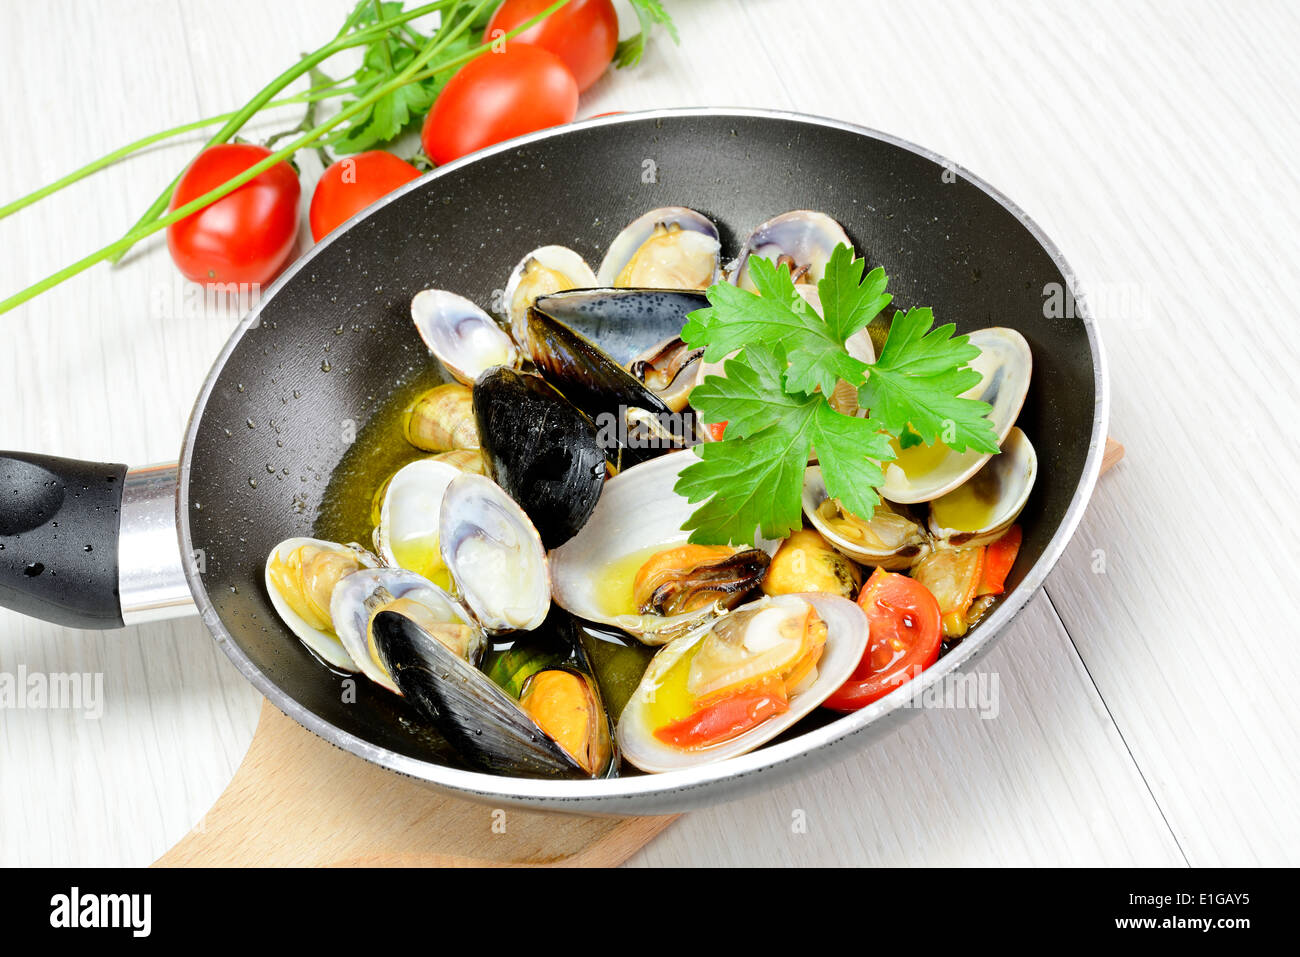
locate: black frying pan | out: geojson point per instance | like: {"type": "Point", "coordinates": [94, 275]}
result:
{"type": "Point", "coordinates": [332, 341]}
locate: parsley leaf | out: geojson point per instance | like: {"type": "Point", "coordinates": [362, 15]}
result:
{"type": "Point", "coordinates": [918, 381]}
{"type": "Point", "coordinates": [648, 12]}
{"type": "Point", "coordinates": [781, 363]}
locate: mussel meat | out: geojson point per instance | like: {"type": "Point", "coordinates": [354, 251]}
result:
{"type": "Point", "coordinates": [690, 577]}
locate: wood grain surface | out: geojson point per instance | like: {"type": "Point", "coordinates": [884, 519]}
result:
{"type": "Point", "coordinates": [1148, 695]}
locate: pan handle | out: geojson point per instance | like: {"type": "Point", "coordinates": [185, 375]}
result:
{"type": "Point", "coordinates": [89, 544]}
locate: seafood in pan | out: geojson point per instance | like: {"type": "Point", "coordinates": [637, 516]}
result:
{"type": "Point", "coordinates": [544, 514]}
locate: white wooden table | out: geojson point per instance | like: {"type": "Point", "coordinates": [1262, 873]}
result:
{"type": "Point", "coordinates": [1148, 695]}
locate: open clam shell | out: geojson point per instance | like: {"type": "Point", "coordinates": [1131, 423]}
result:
{"type": "Point", "coordinates": [924, 473]}
{"type": "Point", "coordinates": [979, 510]}
{"type": "Point", "coordinates": [802, 238]}
{"type": "Point", "coordinates": [312, 590]}
{"type": "Point", "coordinates": [494, 554]}
{"type": "Point", "coordinates": [637, 512]}
{"type": "Point", "coordinates": [359, 597]}
{"type": "Point", "coordinates": [903, 541]}
{"type": "Point", "coordinates": [846, 640]}
{"type": "Point", "coordinates": [547, 270]}
{"type": "Point", "coordinates": [407, 536]}
{"type": "Point", "coordinates": [668, 248]}
{"type": "Point", "coordinates": [461, 336]}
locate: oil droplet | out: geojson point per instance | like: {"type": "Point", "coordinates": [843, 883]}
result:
{"type": "Point", "coordinates": [249, 423]}
{"type": "Point", "coordinates": [252, 482]}
{"type": "Point", "coordinates": [325, 365]}
{"type": "Point", "coordinates": [85, 548]}
{"type": "Point", "coordinates": [33, 569]}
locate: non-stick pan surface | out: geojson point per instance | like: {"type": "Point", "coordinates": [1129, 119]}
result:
{"type": "Point", "coordinates": [333, 339]}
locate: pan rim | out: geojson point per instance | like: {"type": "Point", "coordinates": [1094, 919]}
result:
{"type": "Point", "coordinates": [673, 791]}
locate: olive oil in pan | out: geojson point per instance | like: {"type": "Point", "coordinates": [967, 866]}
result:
{"type": "Point", "coordinates": [380, 450]}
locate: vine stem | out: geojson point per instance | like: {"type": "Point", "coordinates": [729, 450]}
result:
{"type": "Point", "coordinates": [264, 96]}
{"type": "Point", "coordinates": [310, 96]}
{"type": "Point", "coordinates": [176, 215]}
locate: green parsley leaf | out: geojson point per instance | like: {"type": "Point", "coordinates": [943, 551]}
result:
{"type": "Point", "coordinates": [784, 362]}
{"type": "Point", "coordinates": [648, 12]}
{"type": "Point", "coordinates": [918, 382]}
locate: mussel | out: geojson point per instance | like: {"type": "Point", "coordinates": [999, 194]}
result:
{"type": "Point", "coordinates": [633, 422]}
{"type": "Point", "coordinates": [541, 450]}
{"type": "Point", "coordinates": [806, 562]}
{"type": "Point", "coordinates": [687, 578]}
{"type": "Point", "coordinates": [627, 323]}
{"type": "Point", "coordinates": [556, 728]}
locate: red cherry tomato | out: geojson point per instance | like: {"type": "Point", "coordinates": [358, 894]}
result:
{"type": "Point", "coordinates": [497, 96]}
{"type": "Point", "coordinates": [998, 559]}
{"type": "Point", "coordinates": [248, 235]}
{"type": "Point", "coordinates": [905, 635]}
{"type": "Point", "coordinates": [353, 183]}
{"type": "Point", "coordinates": [582, 33]}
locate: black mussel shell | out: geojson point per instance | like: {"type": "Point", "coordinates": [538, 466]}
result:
{"type": "Point", "coordinates": [625, 323]}
{"type": "Point", "coordinates": [482, 722]}
{"type": "Point", "coordinates": [540, 449]}
{"type": "Point", "coordinates": [594, 382]}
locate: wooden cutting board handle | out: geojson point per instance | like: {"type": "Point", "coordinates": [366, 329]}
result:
{"type": "Point", "coordinates": [297, 800]}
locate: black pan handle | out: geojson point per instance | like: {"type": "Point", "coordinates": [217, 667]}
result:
{"type": "Point", "coordinates": [89, 544]}
{"type": "Point", "coordinates": [59, 525]}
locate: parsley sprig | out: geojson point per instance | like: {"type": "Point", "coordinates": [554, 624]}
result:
{"type": "Point", "coordinates": [782, 362]}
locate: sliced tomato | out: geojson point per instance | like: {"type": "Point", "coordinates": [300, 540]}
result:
{"type": "Point", "coordinates": [716, 430]}
{"type": "Point", "coordinates": [726, 716]}
{"type": "Point", "coordinates": [904, 639]}
{"type": "Point", "coordinates": [998, 559]}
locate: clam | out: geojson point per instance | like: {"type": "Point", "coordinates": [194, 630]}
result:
{"type": "Point", "coordinates": [362, 595]}
{"type": "Point", "coordinates": [638, 515]}
{"type": "Point", "coordinates": [558, 708]}
{"type": "Point", "coordinates": [541, 450]}
{"type": "Point", "coordinates": [543, 271]}
{"type": "Point", "coordinates": [806, 562]}
{"type": "Point", "coordinates": [802, 239]}
{"type": "Point", "coordinates": [890, 539]}
{"type": "Point", "coordinates": [301, 576]}
{"type": "Point", "coordinates": [668, 248]}
{"type": "Point", "coordinates": [467, 460]}
{"type": "Point", "coordinates": [494, 554]}
{"type": "Point", "coordinates": [608, 394]}
{"type": "Point", "coordinates": [796, 649]}
{"type": "Point", "coordinates": [979, 510]}
{"type": "Point", "coordinates": [923, 473]}
{"type": "Point", "coordinates": [407, 536]}
{"type": "Point", "coordinates": [442, 419]}
{"type": "Point", "coordinates": [460, 335]}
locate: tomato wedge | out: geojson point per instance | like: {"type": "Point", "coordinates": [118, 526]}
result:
{"type": "Point", "coordinates": [905, 636]}
{"type": "Point", "coordinates": [729, 715]}
{"type": "Point", "coordinates": [998, 559]}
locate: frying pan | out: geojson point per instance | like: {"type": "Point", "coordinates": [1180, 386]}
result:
{"type": "Point", "coordinates": [94, 545]}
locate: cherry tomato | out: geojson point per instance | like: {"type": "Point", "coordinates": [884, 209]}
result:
{"type": "Point", "coordinates": [904, 621]}
{"type": "Point", "coordinates": [353, 183]}
{"type": "Point", "coordinates": [497, 96]}
{"type": "Point", "coordinates": [248, 235]}
{"type": "Point", "coordinates": [582, 33]}
{"type": "Point", "coordinates": [998, 559]}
